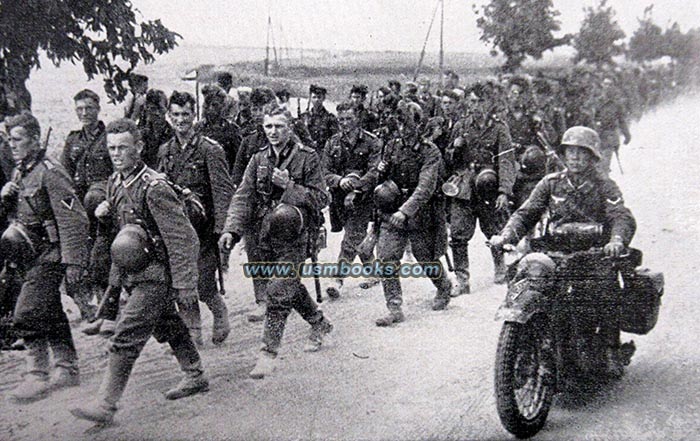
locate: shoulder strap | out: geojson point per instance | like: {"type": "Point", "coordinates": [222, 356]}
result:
{"type": "Point", "coordinates": [289, 158]}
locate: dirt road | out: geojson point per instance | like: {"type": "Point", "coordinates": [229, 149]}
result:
{"type": "Point", "coordinates": [431, 377]}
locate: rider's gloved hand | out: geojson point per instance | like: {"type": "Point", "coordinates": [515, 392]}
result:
{"type": "Point", "coordinates": [615, 247]}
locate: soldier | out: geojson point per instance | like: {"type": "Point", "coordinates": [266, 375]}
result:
{"type": "Point", "coordinates": [580, 194]}
{"type": "Point", "coordinates": [135, 104]}
{"type": "Point", "coordinates": [524, 119]}
{"type": "Point", "coordinates": [482, 158]}
{"type": "Point", "coordinates": [49, 222]}
{"type": "Point", "coordinates": [198, 163]}
{"type": "Point", "coordinates": [611, 120]}
{"type": "Point", "coordinates": [347, 158]}
{"type": "Point", "coordinates": [368, 119]}
{"type": "Point", "coordinates": [439, 128]}
{"type": "Point", "coordinates": [155, 128]}
{"type": "Point", "coordinates": [86, 159]}
{"type": "Point", "coordinates": [450, 81]}
{"type": "Point", "coordinates": [149, 216]}
{"type": "Point", "coordinates": [230, 107]}
{"type": "Point", "coordinates": [244, 117]}
{"type": "Point", "coordinates": [551, 111]}
{"type": "Point", "coordinates": [411, 92]}
{"type": "Point", "coordinates": [395, 87]}
{"type": "Point", "coordinates": [411, 209]}
{"type": "Point", "coordinates": [280, 198]}
{"type": "Point", "coordinates": [429, 103]}
{"type": "Point", "coordinates": [320, 123]}
{"type": "Point", "coordinates": [215, 125]}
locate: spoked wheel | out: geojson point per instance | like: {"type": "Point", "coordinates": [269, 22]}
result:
{"type": "Point", "coordinates": [525, 376]}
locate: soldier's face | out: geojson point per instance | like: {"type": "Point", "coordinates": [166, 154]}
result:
{"type": "Point", "coordinates": [87, 110]}
{"type": "Point", "coordinates": [213, 108]}
{"type": "Point", "coordinates": [277, 129]}
{"type": "Point", "coordinates": [124, 151]}
{"type": "Point", "coordinates": [181, 117]}
{"type": "Point", "coordinates": [317, 100]}
{"type": "Point", "coordinates": [577, 159]}
{"type": "Point", "coordinates": [357, 99]}
{"type": "Point", "coordinates": [448, 105]}
{"type": "Point", "coordinates": [21, 143]}
{"type": "Point", "coordinates": [347, 121]}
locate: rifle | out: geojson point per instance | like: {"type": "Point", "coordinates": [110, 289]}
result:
{"type": "Point", "coordinates": [313, 249]}
{"type": "Point", "coordinates": [48, 137]}
{"type": "Point", "coordinates": [298, 107]}
{"type": "Point", "coordinates": [549, 150]}
{"type": "Point", "coordinates": [220, 271]}
{"type": "Point", "coordinates": [619, 164]}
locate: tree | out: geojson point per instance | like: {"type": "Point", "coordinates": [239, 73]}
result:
{"type": "Point", "coordinates": [596, 40]}
{"type": "Point", "coordinates": [519, 28]}
{"type": "Point", "coordinates": [677, 45]}
{"type": "Point", "coordinates": [104, 35]}
{"type": "Point", "coordinates": [647, 42]}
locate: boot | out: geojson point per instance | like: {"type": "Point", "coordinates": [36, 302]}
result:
{"type": "Point", "coordinates": [93, 328]}
{"type": "Point", "coordinates": [221, 327]}
{"type": "Point", "coordinates": [462, 286]}
{"type": "Point", "coordinates": [102, 409]}
{"type": "Point", "coordinates": [35, 384]}
{"type": "Point", "coordinates": [264, 366]}
{"type": "Point", "coordinates": [108, 327]}
{"type": "Point", "coordinates": [66, 373]}
{"type": "Point", "coordinates": [318, 331]}
{"type": "Point", "coordinates": [335, 290]}
{"type": "Point", "coordinates": [191, 384]}
{"type": "Point", "coordinates": [613, 365]}
{"type": "Point", "coordinates": [395, 315]}
{"type": "Point", "coordinates": [440, 302]}
{"type": "Point", "coordinates": [259, 314]}
{"type": "Point", "coordinates": [193, 320]}
{"type": "Point", "coordinates": [64, 377]}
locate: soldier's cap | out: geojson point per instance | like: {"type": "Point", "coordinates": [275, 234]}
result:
{"type": "Point", "coordinates": [87, 94]}
{"type": "Point", "coordinates": [212, 91]}
{"type": "Point", "coordinates": [135, 79]}
{"type": "Point", "coordinates": [451, 93]}
{"type": "Point", "coordinates": [395, 83]}
{"type": "Point", "coordinates": [244, 89]}
{"type": "Point", "coordinates": [261, 96]}
{"type": "Point", "coordinates": [411, 87]}
{"type": "Point", "coordinates": [360, 89]}
{"type": "Point", "coordinates": [317, 90]}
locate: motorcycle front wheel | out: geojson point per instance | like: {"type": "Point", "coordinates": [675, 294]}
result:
{"type": "Point", "coordinates": [525, 376]}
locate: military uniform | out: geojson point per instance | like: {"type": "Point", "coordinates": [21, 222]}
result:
{"type": "Point", "coordinates": [417, 169]}
{"type": "Point", "coordinates": [154, 134]}
{"type": "Point", "coordinates": [430, 105]}
{"type": "Point", "coordinates": [321, 125]}
{"type": "Point", "coordinates": [487, 147]}
{"type": "Point", "coordinates": [254, 199]}
{"type": "Point", "coordinates": [144, 198]}
{"type": "Point", "coordinates": [56, 223]}
{"type": "Point", "coordinates": [610, 121]}
{"type": "Point", "coordinates": [369, 120]}
{"type": "Point", "coordinates": [200, 165]}
{"type": "Point", "coordinates": [225, 133]}
{"type": "Point", "coordinates": [346, 155]}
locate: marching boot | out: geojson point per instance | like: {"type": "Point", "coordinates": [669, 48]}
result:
{"type": "Point", "coordinates": [193, 320]}
{"type": "Point", "coordinates": [188, 358]}
{"type": "Point", "coordinates": [65, 357]}
{"type": "Point", "coordinates": [318, 331]}
{"type": "Point", "coordinates": [462, 286]}
{"type": "Point", "coordinates": [102, 409]}
{"type": "Point", "coordinates": [93, 328]}
{"type": "Point", "coordinates": [395, 315]}
{"type": "Point", "coordinates": [442, 298]}
{"type": "Point", "coordinates": [335, 290]}
{"type": "Point", "coordinates": [259, 314]}
{"type": "Point", "coordinates": [35, 384]}
{"type": "Point", "coordinates": [264, 366]}
{"type": "Point", "coordinates": [221, 327]}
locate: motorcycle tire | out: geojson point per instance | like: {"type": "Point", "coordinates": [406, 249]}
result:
{"type": "Point", "coordinates": [525, 380]}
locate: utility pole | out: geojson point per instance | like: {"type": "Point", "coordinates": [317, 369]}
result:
{"type": "Point", "coordinates": [422, 52]}
{"type": "Point", "coordinates": [267, 46]}
{"type": "Point", "coordinates": [442, 26]}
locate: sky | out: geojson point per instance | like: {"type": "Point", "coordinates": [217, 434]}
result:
{"type": "Point", "coordinates": [370, 24]}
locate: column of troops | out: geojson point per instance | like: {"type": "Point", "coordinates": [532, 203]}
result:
{"type": "Point", "coordinates": [141, 214]}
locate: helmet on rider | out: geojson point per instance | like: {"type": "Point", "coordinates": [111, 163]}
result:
{"type": "Point", "coordinates": [581, 136]}
{"type": "Point", "coordinates": [130, 249]}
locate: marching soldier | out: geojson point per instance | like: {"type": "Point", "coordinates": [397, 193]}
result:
{"type": "Point", "coordinates": [320, 122]}
{"type": "Point", "coordinates": [429, 103]}
{"type": "Point", "coordinates": [86, 159]}
{"type": "Point", "coordinates": [439, 128]}
{"type": "Point", "coordinates": [46, 240]}
{"type": "Point", "coordinates": [215, 125]}
{"type": "Point", "coordinates": [483, 166]}
{"type": "Point", "coordinates": [155, 128]}
{"type": "Point", "coordinates": [411, 209]}
{"type": "Point", "coordinates": [135, 104]}
{"type": "Point", "coordinates": [198, 163]}
{"type": "Point", "coordinates": [347, 158]}
{"type": "Point", "coordinates": [280, 198]}
{"type": "Point", "coordinates": [150, 217]}
{"type": "Point", "coordinates": [610, 121]}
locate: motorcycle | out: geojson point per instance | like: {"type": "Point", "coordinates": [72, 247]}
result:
{"type": "Point", "coordinates": [556, 326]}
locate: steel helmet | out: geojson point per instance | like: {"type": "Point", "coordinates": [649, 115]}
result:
{"type": "Point", "coordinates": [387, 196]}
{"type": "Point", "coordinates": [95, 195]}
{"type": "Point", "coordinates": [581, 136]}
{"type": "Point", "coordinates": [131, 249]}
{"type": "Point", "coordinates": [409, 111]}
{"type": "Point", "coordinates": [286, 222]}
{"type": "Point", "coordinates": [16, 244]}
{"type": "Point", "coordinates": [486, 184]}
{"type": "Point", "coordinates": [534, 161]}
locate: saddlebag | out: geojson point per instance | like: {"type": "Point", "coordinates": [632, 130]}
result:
{"type": "Point", "coordinates": [641, 299]}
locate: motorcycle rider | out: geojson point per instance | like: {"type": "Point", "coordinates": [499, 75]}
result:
{"type": "Point", "coordinates": [581, 193]}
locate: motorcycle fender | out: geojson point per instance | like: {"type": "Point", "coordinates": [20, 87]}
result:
{"type": "Point", "coordinates": [521, 305]}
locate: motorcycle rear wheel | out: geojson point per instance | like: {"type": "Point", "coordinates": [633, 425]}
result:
{"type": "Point", "coordinates": [525, 376]}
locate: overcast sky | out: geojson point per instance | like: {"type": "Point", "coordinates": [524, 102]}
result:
{"type": "Point", "coordinates": [370, 24]}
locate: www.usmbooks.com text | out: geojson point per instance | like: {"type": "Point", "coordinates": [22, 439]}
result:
{"type": "Point", "coordinates": [377, 269]}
